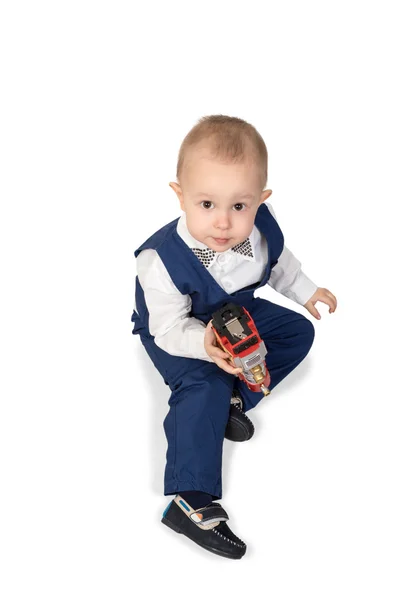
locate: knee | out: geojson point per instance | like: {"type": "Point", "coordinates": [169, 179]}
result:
{"type": "Point", "coordinates": [206, 382]}
{"type": "Point", "coordinates": [307, 332]}
{"type": "Point", "coordinates": [202, 400]}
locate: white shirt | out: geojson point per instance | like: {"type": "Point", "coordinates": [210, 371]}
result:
{"type": "Point", "coordinates": [169, 322]}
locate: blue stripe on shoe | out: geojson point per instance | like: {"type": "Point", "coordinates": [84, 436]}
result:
{"type": "Point", "coordinates": [184, 505]}
{"type": "Point", "coordinates": [166, 510]}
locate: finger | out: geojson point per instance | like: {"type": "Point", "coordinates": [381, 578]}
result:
{"type": "Point", "coordinates": [219, 353]}
{"type": "Point", "coordinates": [209, 334]}
{"type": "Point", "coordinates": [226, 367]}
{"type": "Point", "coordinates": [327, 293]}
{"type": "Point", "coordinates": [328, 300]}
{"type": "Point", "coordinates": [314, 311]}
{"type": "Point", "coordinates": [208, 326]}
{"type": "Point", "coordinates": [333, 300]}
{"type": "Point", "coordinates": [225, 358]}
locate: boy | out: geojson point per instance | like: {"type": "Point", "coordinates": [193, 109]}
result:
{"type": "Point", "coordinates": [226, 245]}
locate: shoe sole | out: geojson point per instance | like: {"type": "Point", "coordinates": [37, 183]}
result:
{"type": "Point", "coordinates": [209, 548]}
{"type": "Point", "coordinates": [238, 432]}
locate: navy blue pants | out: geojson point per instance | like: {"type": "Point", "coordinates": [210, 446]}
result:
{"type": "Point", "coordinates": [201, 394]}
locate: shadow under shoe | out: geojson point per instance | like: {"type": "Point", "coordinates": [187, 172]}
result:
{"type": "Point", "coordinates": [205, 526]}
{"type": "Point", "coordinates": [239, 427]}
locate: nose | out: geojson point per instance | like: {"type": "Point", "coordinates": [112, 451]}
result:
{"type": "Point", "coordinates": [222, 221]}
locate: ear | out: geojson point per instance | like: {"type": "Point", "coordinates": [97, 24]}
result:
{"type": "Point", "coordinates": [178, 191]}
{"type": "Point", "coordinates": [264, 195]}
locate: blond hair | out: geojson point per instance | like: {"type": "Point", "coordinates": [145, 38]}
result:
{"type": "Point", "coordinates": [228, 139]}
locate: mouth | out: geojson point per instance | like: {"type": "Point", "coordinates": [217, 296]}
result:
{"type": "Point", "coordinates": [221, 241]}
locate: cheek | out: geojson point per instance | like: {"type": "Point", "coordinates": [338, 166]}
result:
{"type": "Point", "coordinates": [245, 223]}
{"type": "Point", "coordinates": [199, 220]}
{"type": "Point", "coordinates": [202, 218]}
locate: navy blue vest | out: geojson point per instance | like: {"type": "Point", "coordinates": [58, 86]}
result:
{"type": "Point", "coordinates": [191, 277]}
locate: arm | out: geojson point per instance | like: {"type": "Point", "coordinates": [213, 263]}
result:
{"type": "Point", "coordinates": [288, 279]}
{"type": "Point", "coordinates": [169, 322]}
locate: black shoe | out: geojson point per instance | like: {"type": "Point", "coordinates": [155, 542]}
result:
{"type": "Point", "coordinates": [205, 526]}
{"type": "Point", "coordinates": [239, 427]}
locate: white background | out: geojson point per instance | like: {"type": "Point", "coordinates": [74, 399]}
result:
{"type": "Point", "coordinates": [96, 99]}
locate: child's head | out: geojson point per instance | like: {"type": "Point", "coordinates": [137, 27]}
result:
{"type": "Point", "coordinates": [222, 171]}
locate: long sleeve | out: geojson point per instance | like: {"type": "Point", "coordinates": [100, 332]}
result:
{"type": "Point", "coordinates": [287, 277]}
{"type": "Point", "coordinates": [169, 322]}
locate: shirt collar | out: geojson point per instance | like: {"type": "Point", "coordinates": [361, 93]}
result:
{"type": "Point", "coordinates": [208, 256]}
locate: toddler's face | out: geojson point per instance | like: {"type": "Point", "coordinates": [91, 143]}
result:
{"type": "Point", "coordinates": [220, 199]}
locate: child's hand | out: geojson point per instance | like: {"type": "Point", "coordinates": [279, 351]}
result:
{"type": "Point", "coordinates": [322, 295]}
{"type": "Point", "coordinates": [221, 358]}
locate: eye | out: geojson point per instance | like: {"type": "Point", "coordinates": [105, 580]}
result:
{"type": "Point", "coordinates": [206, 202]}
{"type": "Point", "coordinates": [239, 206]}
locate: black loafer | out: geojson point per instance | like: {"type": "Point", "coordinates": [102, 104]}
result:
{"type": "Point", "coordinates": [205, 526]}
{"type": "Point", "coordinates": [239, 427]}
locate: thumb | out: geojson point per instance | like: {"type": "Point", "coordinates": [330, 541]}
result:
{"type": "Point", "coordinates": [314, 311]}
{"type": "Point", "coordinates": [208, 333]}
{"type": "Point", "coordinates": [209, 326]}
